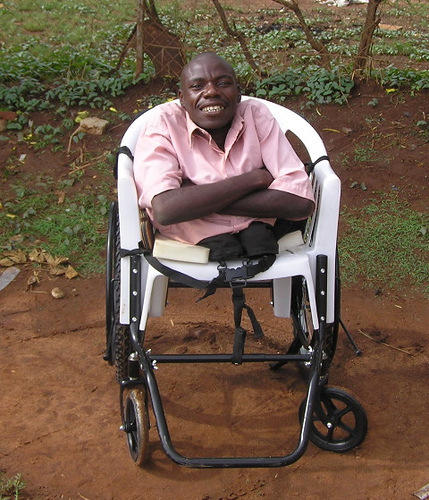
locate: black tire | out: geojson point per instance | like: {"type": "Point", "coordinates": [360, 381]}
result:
{"type": "Point", "coordinates": [304, 336]}
{"type": "Point", "coordinates": [339, 421]}
{"type": "Point", "coordinates": [122, 351]}
{"type": "Point", "coordinates": [111, 243]}
{"type": "Point", "coordinates": [117, 335]}
{"type": "Point", "coordinates": [136, 424]}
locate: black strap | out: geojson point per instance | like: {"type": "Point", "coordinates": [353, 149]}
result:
{"type": "Point", "coordinates": [239, 303]}
{"type": "Point", "coordinates": [123, 252]}
{"type": "Point", "coordinates": [122, 150]}
{"type": "Point", "coordinates": [176, 275]}
{"type": "Point", "coordinates": [239, 275]}
{"type": "Point", "coordinates": [237, 279]}
{"type": "Point", "coordinates": [234, 276]}
{"type": "Point", "coordinates": [309, 166]}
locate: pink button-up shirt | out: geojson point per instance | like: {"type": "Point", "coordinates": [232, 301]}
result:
{"type": "Point", "coordinates": [172, 147]}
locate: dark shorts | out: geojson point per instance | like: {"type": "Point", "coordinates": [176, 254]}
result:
{"type": "Point", "coordinates": [258, 239]}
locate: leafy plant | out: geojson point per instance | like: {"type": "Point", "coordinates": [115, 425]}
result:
{"type": "Point", "coordinates": [324, 86]}
{"type": "Point", "coordinates": [278, 87]}
{"type": "Point", "coordinates": [416, 80]}
{"type": "Point", "coordinates": [320, 86]}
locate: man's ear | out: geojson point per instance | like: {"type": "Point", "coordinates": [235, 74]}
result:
{"type": "Point", "coordinates": [238, 93]}
{"type": "Point", "coordinates": [180, 96]}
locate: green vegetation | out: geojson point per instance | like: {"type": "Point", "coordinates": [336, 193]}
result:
{"type": "Point", "coordinates": [320, 85]}
{"type": "Point", "coordinates": [57, 52]}
{"type": "Point", "coordinates": [46, 217]}
{"type": "Point", "coordinates": [10, 488]}
{"type": "Point", "coordinates": [385, 243]}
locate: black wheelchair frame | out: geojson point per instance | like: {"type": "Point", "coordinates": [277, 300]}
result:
{"type": "Point", "coordinates": [321, 414]}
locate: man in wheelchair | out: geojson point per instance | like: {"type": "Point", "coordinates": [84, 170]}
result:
{"type": "Point", "coordinates": [219, 172]}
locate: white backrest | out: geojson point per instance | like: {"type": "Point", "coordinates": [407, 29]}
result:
{"type": "Point", "coordinates": [322, 229]}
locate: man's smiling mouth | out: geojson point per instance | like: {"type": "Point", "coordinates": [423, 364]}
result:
{"type": "Point", "coordinates": [212, 109]}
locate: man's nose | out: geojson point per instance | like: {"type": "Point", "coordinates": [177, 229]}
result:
{"type": "Point", "coordinates": [210, 89]}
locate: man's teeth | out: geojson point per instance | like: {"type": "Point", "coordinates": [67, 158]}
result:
{"type": "Point", "coordinates": [213, 109]}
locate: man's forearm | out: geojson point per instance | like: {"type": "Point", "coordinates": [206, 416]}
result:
{"type": "Point", "coordinates": [271, 203]}
{"type": "Point", "coordinates": [193, 202]}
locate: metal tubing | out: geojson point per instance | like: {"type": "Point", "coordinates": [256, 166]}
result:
{"type": "Point", "coordinates": [225, 462]}
{"type": "Point", "coordinates": [358, 352]}
{"type": "Point", "coordinates": [147, 362]}
{"type": "Point", "coordinates": [227, 358]}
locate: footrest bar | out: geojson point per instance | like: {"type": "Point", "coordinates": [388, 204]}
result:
{"type": "Point", "coordinates": [228, 358]}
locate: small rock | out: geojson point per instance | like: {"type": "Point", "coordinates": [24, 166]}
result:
{"type": "Point", "coordinates": [93, 125]}
{"type": "Point", "coordinates": [57, 293]}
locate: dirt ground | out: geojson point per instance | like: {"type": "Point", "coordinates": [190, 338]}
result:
{"type": "Point", "coordinates": [59, 399]}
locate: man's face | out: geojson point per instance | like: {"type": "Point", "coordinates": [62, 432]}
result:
{"type": "Point", "coordinates": [209, 92]}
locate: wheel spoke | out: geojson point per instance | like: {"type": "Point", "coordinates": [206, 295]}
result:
{"type": "Point", "coordinates": [340, 413]}
{"type": "Point", "coordinates": [345, 428]}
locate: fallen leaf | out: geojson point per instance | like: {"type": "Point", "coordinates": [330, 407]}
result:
{"type": "Point", "coordinates": [57, 271]}
{"type": "Point", "coordinates": [6, 262]}
{"type": "Point", "coordinates": [61, 196]}
{"type": "Point", "coordinates": [17, 256]}
{"type": "Point", "coordinates": [36, 256]}
{"type": "Point", "coordinates": [50, 259]}
{"type": "Point", "coordinates": [71, 273]}
{"type": "Point", "coordinates": [61, 260]}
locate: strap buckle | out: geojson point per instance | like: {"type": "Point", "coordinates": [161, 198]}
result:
{"type": "Point", "coordinates": [238, 276]}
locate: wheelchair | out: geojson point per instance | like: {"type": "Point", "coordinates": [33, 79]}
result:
{"type": "Point", "coordinates": [304, 285]}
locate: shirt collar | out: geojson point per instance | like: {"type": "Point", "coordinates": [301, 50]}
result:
{"type": "Point", "coordinates": [236, 129]}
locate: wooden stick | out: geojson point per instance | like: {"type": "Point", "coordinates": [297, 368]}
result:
{"type": "Point", "coordinates": [384, 343]}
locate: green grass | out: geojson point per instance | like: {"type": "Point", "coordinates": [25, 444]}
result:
{"type": "Point", "coordinates": [74, 228]}
{"type": "Point", "coordinates": [10, 488]}
{"type": "Point", "coordinates": [62, 22]}
{"type": "Point", "coordinates": [385, 243]}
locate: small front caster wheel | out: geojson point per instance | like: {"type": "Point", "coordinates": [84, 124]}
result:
{"type": "Point", "coordinates": [339, 421]}
{"type": "Point", "coordinates": [136, 424]}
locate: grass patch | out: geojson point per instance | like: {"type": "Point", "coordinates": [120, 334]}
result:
{"type": "Point", "coordinates": [56, 218]}
{"type": "Point", "coordinates": [385, 243]}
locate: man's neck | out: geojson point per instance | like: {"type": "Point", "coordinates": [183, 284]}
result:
{"type": "Point", "coordinates": [219, 136]}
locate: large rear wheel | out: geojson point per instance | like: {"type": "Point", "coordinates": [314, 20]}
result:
{"type": "Point", "coordinates": [117, 335]}
{"type": "Point", "coordinates": [304, 333]}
